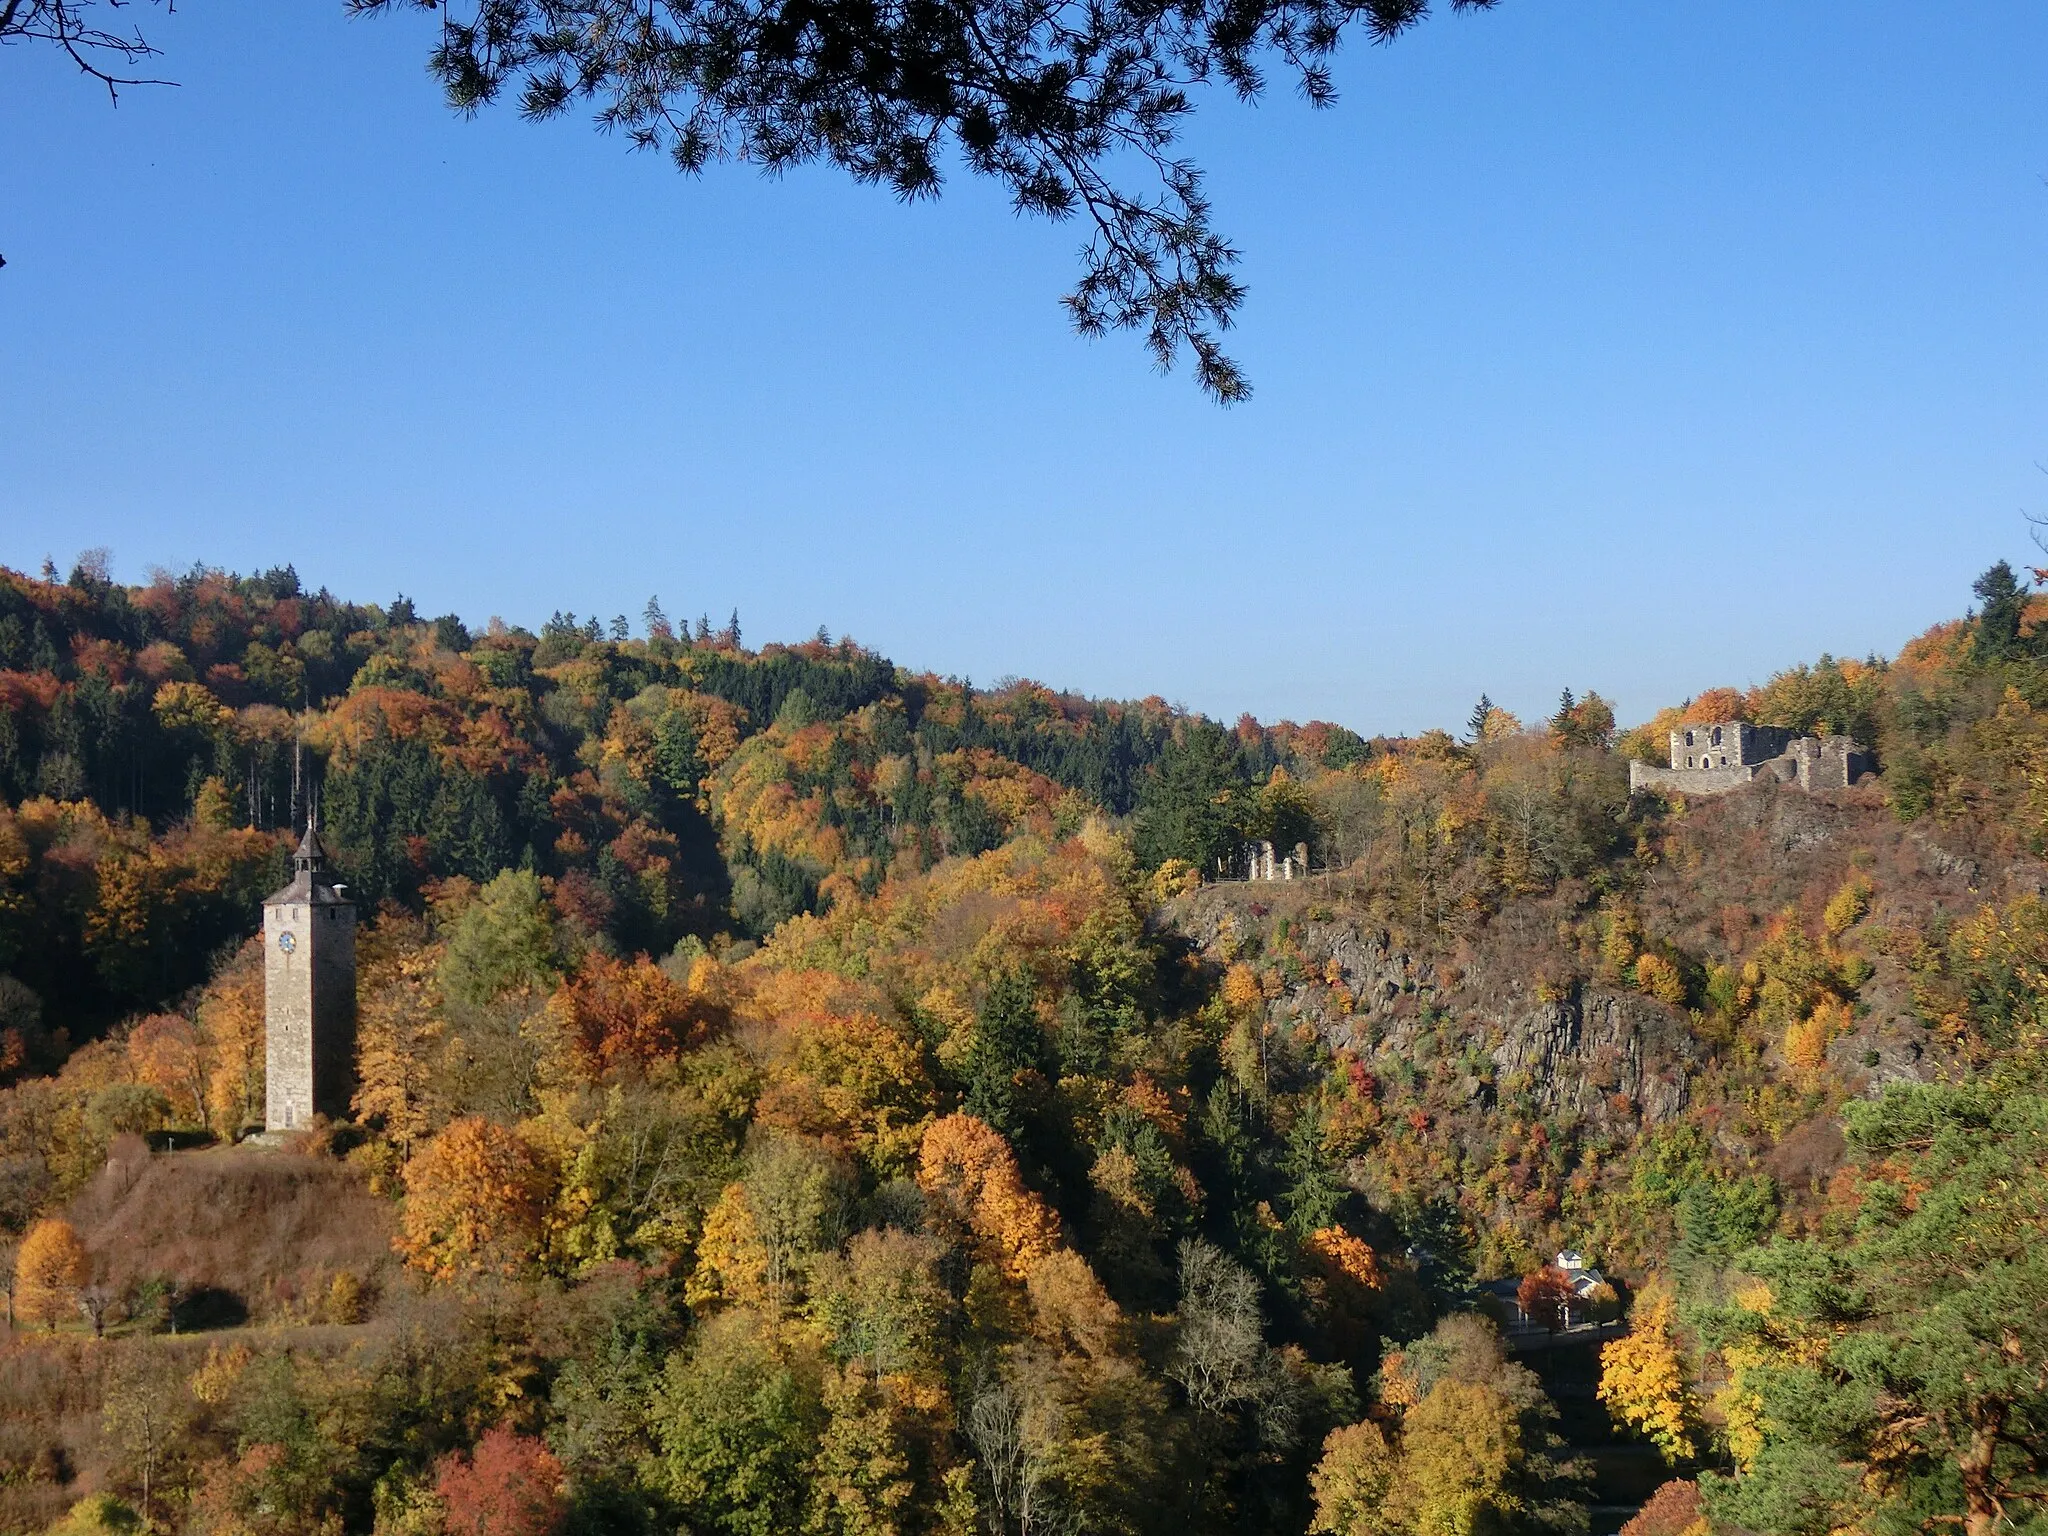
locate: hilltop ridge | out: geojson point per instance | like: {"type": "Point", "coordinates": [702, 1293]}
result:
{"type": "Point", "coordinates": [901, 1083]}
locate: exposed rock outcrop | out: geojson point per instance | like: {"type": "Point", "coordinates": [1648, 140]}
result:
{"type": "Point", "coordinates": [1600, 1053]}
{"type": "Point", "coordinates": [1583, 1050]}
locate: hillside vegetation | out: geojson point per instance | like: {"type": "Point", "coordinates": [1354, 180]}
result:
{"type": "Point", "coordinates": [800, 1095]}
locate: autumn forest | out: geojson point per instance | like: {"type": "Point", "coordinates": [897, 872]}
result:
{"type": "Point", "coordinates": [797, 1094]}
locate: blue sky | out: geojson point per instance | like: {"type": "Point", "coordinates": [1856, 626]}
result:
{"type": "Point", "coordinates": [1634, 346]}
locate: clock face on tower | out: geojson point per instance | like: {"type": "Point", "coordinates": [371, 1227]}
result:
{"type": "Point", "coordinates": [287, 942]}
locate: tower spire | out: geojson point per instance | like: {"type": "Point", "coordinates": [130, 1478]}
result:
{"type": "Point", "coordinates": [311, 859]}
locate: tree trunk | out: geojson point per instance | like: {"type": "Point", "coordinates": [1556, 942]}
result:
{"type": "Point", "coordinates": [1974, 1462]}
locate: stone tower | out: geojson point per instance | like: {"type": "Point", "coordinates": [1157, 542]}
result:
{"type": "Point", "coordinates": [309, 994]}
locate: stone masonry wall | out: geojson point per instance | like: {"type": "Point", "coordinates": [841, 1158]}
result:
{"type": "Point", "coordinates": [287, 1017]}
{"type": "Point", "coordinates": [1696, 780]}
{"type": "Point", "coordinates": [334, 1012]}
{"type": "Point", "coordinates": [309, 1013]}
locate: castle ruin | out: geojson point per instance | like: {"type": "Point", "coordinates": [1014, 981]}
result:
{"type": "Point", "coordinates": [1711, 758]}
{"type": "Point", "coordinates": [309, 994]}
{"type": "Point", "coordinates": [1257, 860]}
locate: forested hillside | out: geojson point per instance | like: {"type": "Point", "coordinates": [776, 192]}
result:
{"type": "Point", "coordinates": [798, 1094]}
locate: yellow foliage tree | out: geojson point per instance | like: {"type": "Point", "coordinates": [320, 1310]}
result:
{"type": "Point", "coordinates": [856, 1082]}
{"type": "Point", "coordinates": [1770, 1343]}
{"type": "Point", "coordinates": [1070, 1306]}
{"type": "Point", "coordinates": [399, 1026]}
{"type": "Point", "coordinates": [1642, 1379]}
{"type": "Point", "coordinates": [1846, 908]}
{"type": "Point", "coordinates": [1241, 990]}
{"type": "Point", "coordinates": [1461, 1450]}
{"type": "Point", "coordinates": [1176, 877]}
{"type": "Point", "coordinates": [214, 1381]}
{"type": "Point", "coordinates": [48, 1271]}
{"type": "Point", "coordinates": [1454, 1472]}
{"type": "Point", "coordinates": [1807, 1040]}
{"type": "Point", "coordinates": [475, 1198]}
{"type": "Point", "coordinates": [860, 1479]}
{"type": "Point", "coordinates": [732, 1261]}
{"type": "Point", "coordinates": [1660, 979]}
{"type": "Point", "coordinates": [1620, 937]}
{"type": "Point", "coordinates": [231, 1041]}
{"type": "Point", "coordinates": [1352, 1482]}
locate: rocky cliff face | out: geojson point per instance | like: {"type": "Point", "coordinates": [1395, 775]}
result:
{"type": "Point", "coordinates": [1606, 1055]}
{"type": "Point", "coordinates": [1588, 1049]}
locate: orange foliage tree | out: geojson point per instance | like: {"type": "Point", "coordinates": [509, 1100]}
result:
{"type": "Point", "coordinates": [475, 1199]}
{"type": "Point", "coordinates": [1345, 1283]}
{"type": "Point", "coordinates": [1545, 1297]}
{"type": "Point", "coordinates": [967, 1167]}
{"type": "Point", "coordinates": [628, 1014]}
{"type": "Point", "coordinates": [511, 1486]}
{"type": "Point", "coordinates": [167, 1052]}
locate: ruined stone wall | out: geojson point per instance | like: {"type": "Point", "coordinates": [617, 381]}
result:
{"type": "Point", "coordinates": [1726, 744]}
{"type": "Point", "coordinates": [1699, 781]}
{"type": "Point", "coordinates": [1706, 746]}
{"type": "Point", "coordinates": [1761, 743]}
{"type": "Point", "coordinates": [1702, 765]}
{"type": "Point", "coordinates": [1831, 762]}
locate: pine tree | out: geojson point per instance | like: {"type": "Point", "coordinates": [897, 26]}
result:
{"type": "Point", "coordinates": [1564, 724]}
{"type": "Point", "coordinates": [1008, 1042]}
{"type": "Point", "coordinates": [1475, 728]}
{"type": "Point", "coordinates": [658, 626]}
{"type": "Point", "coordinates": [1998, 624]}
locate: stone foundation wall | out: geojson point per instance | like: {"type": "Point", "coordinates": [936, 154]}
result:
{"type": "Point", "coordinates": [1698, 781]}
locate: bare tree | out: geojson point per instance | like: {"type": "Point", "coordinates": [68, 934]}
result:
{"type": "Point", "coordinates": [95, 1301]}
{"type": "Point", "coordinates": [7, 1253]}
{"type": "Point", "coordinates": [75, 27]}
{"type": "Point", "coordinates": [1017, 1428]}
{"type": "Point", "coordinates": [1233, 1380]}
{"type": "Point", "coordinates": [1219, 1357]}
